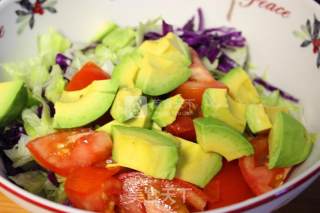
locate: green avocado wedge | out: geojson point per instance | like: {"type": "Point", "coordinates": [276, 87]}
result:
{"type": "Point", "coordinates": [241, 87]}
{"type": "Point", "coordinates": [127, 104]}
{"type": "Point", "coordinates": [195, 165]}
{"type": "Point", "coordinates": [215, 136]}
{"type": "Point", "coordinates": [289, 142]}
{"type": "Point", "coordinates": [257, 118]}
{"type": "Point", "coordinates": [216, 104]}
{"type": "Point", "coordinates": [78, 108]}
{"type": "Point", "coordinates": [147, 151]}
{"type": "Point", "coordinates": [167, 111]}
{"type": "Point", "coordinates": [14, 97]}
{"type": "Point", "coordinates": [164, 65]}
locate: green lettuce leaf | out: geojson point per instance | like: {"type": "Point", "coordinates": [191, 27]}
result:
{"type": "Point", "coordinates": [19, 154]}
{"type": "Point", "coordinates": [32, 71]}
{"type": "Point", "coordinates": [50, 44]}
{"type": "Point", "coordinates": [32, 181]}
{"type": "Point", "coordinates": [35, 126]}
{"type": "Point", "coordinates": [55, 85]}
{"type": "Point", "coordinates": [274, 99]}
{"type": "Point", "coordinates": [37, 182]}
{"type": "Point", "coordinates": [148, 26]}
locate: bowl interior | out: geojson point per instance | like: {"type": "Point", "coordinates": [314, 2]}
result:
{"type": "Point", "coordinates": [274, 48]}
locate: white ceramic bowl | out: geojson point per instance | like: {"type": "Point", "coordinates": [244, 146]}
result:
{"type": "Point", "coordinates": [274, 32]}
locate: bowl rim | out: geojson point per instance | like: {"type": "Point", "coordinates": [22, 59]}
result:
{"type": "Point", "coordinates": [251, 203]}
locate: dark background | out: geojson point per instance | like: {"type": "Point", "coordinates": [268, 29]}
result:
{"type": "Point", "coordinates": [307, 202]}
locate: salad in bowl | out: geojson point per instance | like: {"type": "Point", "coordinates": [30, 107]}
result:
{"type": "Point", "coordinates": [152, 118]}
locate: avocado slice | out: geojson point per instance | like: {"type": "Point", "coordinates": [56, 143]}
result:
{"type": "Point", "coordinates": [237, 109]}
{"type": "Point", "coordinates": [241, 87]}
{"type": "Point", "coordinates": [144, 150]}
{"type": "Point", "coordinates": [164, 65]}
{"type": "Point", "coordinates": [257, 118]}
{"type": "Point", "coordinates": [14, 98]}
{"type": "Point", "coordinates": [195, 165]}
{"type": "Point", "coordinates": [272, 111]}
{"type": "Point", "coordinates": [167, 111]}
{"type": "Point", "coordinates": [143, 119]}
{"type": "Point", "coordinates": [214, 135]}
{"type": "Point", "coordinates": [78, 108]}
{"type": "Point", "coordinates": [216, 104]}
{"type": "Point", "coordinates": [289, 142]}
{"type": "Point", "coordinates": [126, 71]}
{"type": "Point", "coordinates": [127, 104]}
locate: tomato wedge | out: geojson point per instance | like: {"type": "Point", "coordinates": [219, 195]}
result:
{"type": "Point", "coordinates": [255, 171]}
{"type": "Point", "coordinates": [200, 80]}
{"type": "Point", "coordinates": [65, 151]}
{"type": "Point", "coordinates": [142, 193]}
{"type": "Point", "coordinates": [200, 73]}
{"type": "Point", "coordinates": [85, 76]}
{"type": "Point", "coordinates": [228, 187]}
{"type": "Point", "coordinates": [182, 127]}
{"type": "Point", "coordinates": [93, 189]}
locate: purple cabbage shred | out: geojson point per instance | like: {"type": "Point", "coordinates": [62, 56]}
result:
{"type": "Point", "coordinates": [51, 108]}
{"type": "Point", "coordinates": [63, 61]}
{"type": "Point", "coordinates": [53, 179]}
{"type": "Point", "coordinates": [226, 63]}
{"type": "Point", "coordinates": [10, 135]}
{"type": "Point", "coordinates": [166, 28]}
{"type": "Point", "coordinates": [272, 88]}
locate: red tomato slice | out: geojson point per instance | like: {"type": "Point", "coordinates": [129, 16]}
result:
{"type": "Point", "coordinates": [65, 151]}
{"type": "Point", "coordinates": [228, 187]}
{"type": "Point", "coordinates": [200, 73]}
{"type": "Point", "coordinates": [141, 193]}
{"type": "Point", "coordinates": [255, 171]}
{"type": "Point", "coordinates": [85, 76]}
{"type": "Point", "coordinates": [182, 127]}
{"type": "Point", "coordinates": [192, 91]}
{"type": "Point", "coordinates": [93, 189]}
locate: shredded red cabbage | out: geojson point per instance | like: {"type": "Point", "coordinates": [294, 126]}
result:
{"type": "Point", "coordinates": [272, 88]}
{"type": "Point", "coordinates": [63, 61]}
{"type": "Point", "coordinates": [209, 43]}
{"type": "Point", "coordinates": [226, 63]}
{"type": "Point", "coordinates": [53, 179]}
{"type": "Point", "coordinates": [51, 108]}
{"type": "Point", "coordinates": [166, 28]}
{"type": "Point", "coordinates": [10, 135]}
{"type": "Point", "coordinates": [7, 163]}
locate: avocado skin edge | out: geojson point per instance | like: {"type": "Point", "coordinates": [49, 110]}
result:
{"type": "Point", "coordinates": [16, 107]}
{"type": "Point", "coordinates": [289, 142]}
{"type": "Point", "coordinates": [234, 145]}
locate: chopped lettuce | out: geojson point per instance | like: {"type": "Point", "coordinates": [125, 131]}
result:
{"type": "Point", "coordinates": [19, 154]}
{"type": "Point", "coordinates": [274, 99]}
{"type": "Point", "coordinates": [36, 126]}
{"type": "Point", "coordinates": [53, 193]}
{"type": "Point", "coordinates": [55, 85]}
{"type": "Point", "coordinates": [103, 54]}
{"type": "Point", "coordinates": [37, 182]}
{"type": "Point", "coordinates": [119, 38]}
{"type": "Point", "coordinates": [32, 71]}
{"type": "Point", "coordinates": [32, 181]}
{"type": "Point", "coordinates": [143, 28]}
{"type": "Point", "coordinates": [104, 31]}
{"type": "Point", "coordinates": [50, 44]}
